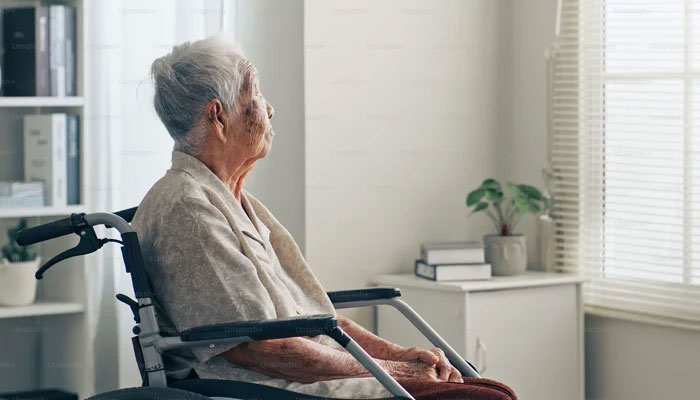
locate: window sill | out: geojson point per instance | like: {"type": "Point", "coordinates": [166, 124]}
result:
{"type": "Point", "coordinates": [649, 319]}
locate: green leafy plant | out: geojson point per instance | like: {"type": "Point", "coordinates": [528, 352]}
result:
{"type": "Point", "coordinates": [505, 208]}
{"type": "Point", "coordinates": [14, 252]}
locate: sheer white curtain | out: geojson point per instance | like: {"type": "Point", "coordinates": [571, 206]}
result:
{"type": "Point", "coordinates": [130, 148]}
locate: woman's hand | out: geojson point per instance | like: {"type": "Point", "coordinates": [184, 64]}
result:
{"type": "Point", "coordinates": [410, 370]}
{"type": "Point", "coordinates": [435, 357]}
{"type": "Point", "coordinates": [384, 350]}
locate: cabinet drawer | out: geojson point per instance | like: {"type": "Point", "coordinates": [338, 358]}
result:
{"type": "Point", "coordinates": [527, 338]}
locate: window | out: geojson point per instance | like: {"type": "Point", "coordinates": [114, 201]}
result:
{"type": "Point", "coordinates": [633, 157]}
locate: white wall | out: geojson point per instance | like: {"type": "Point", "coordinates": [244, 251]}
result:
{"type": "Point", "coordinates": [525, 142]}
{"type": "Point", "coordinates": [271, 34]}
{"type": "Point", "coordinates": [632, 360]}
{"type": "Point", "coordinates": [404, 105]}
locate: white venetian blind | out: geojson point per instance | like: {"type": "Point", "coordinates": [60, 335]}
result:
{"type": "Point", "coordinates": [639, 156]}
{"type": "Point", "coordinates": [563, 151]}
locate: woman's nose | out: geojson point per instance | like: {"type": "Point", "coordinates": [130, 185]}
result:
{"type": "Point", "coordinates": [270, 111]}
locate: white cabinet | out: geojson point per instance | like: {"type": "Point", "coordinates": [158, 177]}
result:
{"type": "Point", "coordinates": [525, 331]}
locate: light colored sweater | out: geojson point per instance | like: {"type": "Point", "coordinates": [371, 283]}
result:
{"type": "Point", "coordinates": [212, 259]}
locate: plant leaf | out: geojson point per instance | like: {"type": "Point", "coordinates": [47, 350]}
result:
{"type": "Point", "coordinates": [12, 251]}
{"type": "Point", "coordinates": [480, 207]}
{"type": "Point", "coordinates": [491, 183]}
{"type": "Point", "coordinates": [475, 196]}
{"type": "Point", "coordinates": [496, 196]}
{"type": "Point", "coordinates": [512, 189]}
{"type": "Point", "coordinates": [531, 191]}
{"type": "Point", "coordinates": [522, 205]}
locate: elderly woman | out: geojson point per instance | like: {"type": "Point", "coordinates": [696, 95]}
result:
{"type": "Point", "coordinates": [215, 254]}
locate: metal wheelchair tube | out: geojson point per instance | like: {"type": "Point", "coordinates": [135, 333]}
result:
{"type": "Point", "coordinates": [369, 363]}
{"type": "Point", "coordinates": [464, 367]}
{"type": "Point", "coordinates": [108, 219]}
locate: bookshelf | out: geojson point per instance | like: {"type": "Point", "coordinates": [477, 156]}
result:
{"type": "Point", "coordinates": [41, 308]}
{"type": "Point", "coordinates": [45, 211]}
{"type": "Point", "coordinates": [41, 102]}
{"type": "Point", "coordinates": [47, 344]}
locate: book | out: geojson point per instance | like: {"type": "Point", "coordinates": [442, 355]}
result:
{"type": "Point", "coordinates": [452, 253]}
{"type": "Point", "coordinates": [26, 51]}
{"type": "Point", "coordinates": [62, 20]}
{"type": "Point", "coordinates": [57, 53]}
{"type": "Point", "coordinates": [73, 159]}
{"type": "Point", "coordinates": [20, 189]}
{"type": "Point", "coordinates": [45, 154]}
{"type": "Point", "coordinates": [453, 272]}
{"type": "Point", "coordinates": [21, 194]}
{"type": "Point", "coordinates": [71, 79]}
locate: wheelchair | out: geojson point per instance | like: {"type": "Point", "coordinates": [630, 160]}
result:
{"type": "Point", "coordinates": [149, 345]}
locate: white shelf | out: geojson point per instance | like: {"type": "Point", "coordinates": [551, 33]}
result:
{"type": "Point", "coordinates": [41, 308]}
{"type": "Point", "coordinates": [34, 101]}
{"type": "Point", "coordinates": [16, 212]}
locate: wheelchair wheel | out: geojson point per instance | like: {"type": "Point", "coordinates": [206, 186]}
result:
{"type": "Point", "coordinates": [148, 393]}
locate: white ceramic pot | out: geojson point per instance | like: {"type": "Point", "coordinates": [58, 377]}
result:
{"type": "Point", "coordinates": [506, 254]}
{"type": "Point", "coordinates": [17, 282]}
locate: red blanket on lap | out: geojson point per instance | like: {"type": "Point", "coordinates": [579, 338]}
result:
{"type": "Point", "coordinates": [471, 389]}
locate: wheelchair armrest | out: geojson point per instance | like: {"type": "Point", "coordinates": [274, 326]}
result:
{"type": "Point", "coordinates": [306, 325]}
{"type": "Point", "coordinates": [367, 294]}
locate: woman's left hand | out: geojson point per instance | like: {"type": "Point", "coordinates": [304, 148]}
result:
{"type": "Point", "coordinates": [446, 372]}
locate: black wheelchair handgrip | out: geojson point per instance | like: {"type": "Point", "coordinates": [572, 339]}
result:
{"type": "Point", "coordinates": [50, 230]}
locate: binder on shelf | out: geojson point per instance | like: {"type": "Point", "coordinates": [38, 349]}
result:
{"type": "Point", "coordinates": [73, 159]}
{"type": "Point", "coordinates": [71, 61]}
{"type": "Point", "coordinates": [45, 154]}
{"type": "Point", "coordinates": [57, 53]}
{"type": "Point", "coordinates": [26, 51]}
{"type": "Point", "coordinates": [39, 51]}
{"type": "Point", "coordinates": [62, 53]}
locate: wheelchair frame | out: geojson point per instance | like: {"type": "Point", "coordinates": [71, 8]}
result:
{"type": "Point", "coordinates": [149, 344]}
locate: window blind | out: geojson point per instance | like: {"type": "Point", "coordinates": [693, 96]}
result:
{"type": "Point", "coordinates": [563, 143]}
{"type": "Point", "coordinates": [637, 152]}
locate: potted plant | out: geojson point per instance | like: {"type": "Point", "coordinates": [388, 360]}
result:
{"type": "Point", "coordinates": [17, 268]}
{"type": "Point", "coordinates": [506, 250]}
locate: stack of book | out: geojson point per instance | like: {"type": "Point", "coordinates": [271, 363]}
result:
{"type": "Point", "coordinates": [52, 156]}
{"type": "Point", "coordinates": [39, 51]}
{"type": "Point", "coordinates": [453, 261]}
{"type": "Point", "coordinates": [21, 194]}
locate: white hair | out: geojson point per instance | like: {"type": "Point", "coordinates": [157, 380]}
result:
{"type": "Point", "coordinates": [188, 78]}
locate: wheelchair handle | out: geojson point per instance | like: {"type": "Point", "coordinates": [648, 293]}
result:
{"type": "Point", "coordinates": [48, 231]}
{"type": "Point", "coordinates": [66, 226]}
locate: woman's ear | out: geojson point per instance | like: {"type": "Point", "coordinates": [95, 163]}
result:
{"type": "Point", "coordinates": [216, 118]}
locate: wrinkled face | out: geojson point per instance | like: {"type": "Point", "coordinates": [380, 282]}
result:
{"type": "Point", "coordinates": [252, 126]}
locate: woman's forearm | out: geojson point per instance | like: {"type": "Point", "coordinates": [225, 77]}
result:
{"type": "Point", "coordinates": [373, 344]}
{"type": "Point", "coordinates": [297, 359]}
